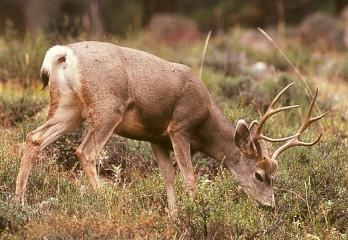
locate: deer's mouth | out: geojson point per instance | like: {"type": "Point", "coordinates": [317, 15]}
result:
{"type": "Point", "coordinates": [264, 196]}
{"type": "Point", "coordinates": [260, 191]}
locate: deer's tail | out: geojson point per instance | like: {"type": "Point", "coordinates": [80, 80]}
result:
{"type": "Point", "coordinates": [55, 55]}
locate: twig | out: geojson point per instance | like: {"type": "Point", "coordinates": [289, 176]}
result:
{"type": "Point", "coordinates": [297, 71]}
{"type": "Point", "coordinates": [309, 93]}
{"type": "Point", "coordinates": [307, 201]}
{"type": "Point", "coordinates": [203, 54]}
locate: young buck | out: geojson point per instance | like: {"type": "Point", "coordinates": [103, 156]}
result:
{"type": "Point", "coordinates": [139, 96]}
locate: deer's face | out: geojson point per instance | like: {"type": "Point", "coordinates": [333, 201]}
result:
{"type": "Point", "coordinates": [255, 171]}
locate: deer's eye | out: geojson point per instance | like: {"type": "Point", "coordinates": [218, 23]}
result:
{"type": "Point", "coordinates": [259, 177]}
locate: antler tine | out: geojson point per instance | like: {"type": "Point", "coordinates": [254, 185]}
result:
{"type": "Point", "coordinates": [270, 111]}
{"type": "Point", "coordinates": [292, 143]}
{"type": "Point", "coordinates": [279, 95]}
{"type": "Point", "coordinates": [308, 121]}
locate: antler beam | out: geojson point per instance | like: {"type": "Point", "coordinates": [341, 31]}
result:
{"type": "Point", "coordinates": [308, 121]}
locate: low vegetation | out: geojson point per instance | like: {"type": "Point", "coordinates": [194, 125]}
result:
{"type": "Point", "coordinates": [311, 185]}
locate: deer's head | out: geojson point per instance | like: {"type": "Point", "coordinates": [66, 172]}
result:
{"type": "Point", "coordinates": [256, 169]}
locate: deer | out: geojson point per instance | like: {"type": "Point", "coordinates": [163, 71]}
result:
{"type": "Point", "coordinates": [136, 95]}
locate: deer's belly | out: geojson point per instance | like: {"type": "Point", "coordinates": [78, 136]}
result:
{"type": "Point", "coordinates": [132, 126]}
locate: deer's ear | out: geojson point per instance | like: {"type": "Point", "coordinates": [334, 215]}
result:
{"type": "Point", "coordinates": [243, 139]}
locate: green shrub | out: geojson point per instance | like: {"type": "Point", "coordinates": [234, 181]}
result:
{"type": "Point", "coordinates": [17, 105]}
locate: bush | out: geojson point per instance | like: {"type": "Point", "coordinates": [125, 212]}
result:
{"type": "Point", "coordinates": [17, 105]}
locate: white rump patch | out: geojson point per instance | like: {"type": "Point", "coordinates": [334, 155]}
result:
{"type": "Point", "coordinates": [52, 55]}
{"type": "Point", "coordinates": [61, 65]}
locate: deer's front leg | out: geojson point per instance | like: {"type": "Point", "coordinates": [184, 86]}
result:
{"type": "Point", "coordinates": [182, 154]}
{"type": "Point", "coordinates": [168, 172]}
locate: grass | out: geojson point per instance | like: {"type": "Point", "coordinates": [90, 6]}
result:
{"type": "Point", "coordinates": [311, 186]}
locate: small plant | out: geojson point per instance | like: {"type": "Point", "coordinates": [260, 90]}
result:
{"type": "Point", "coordinates": [116, 170]}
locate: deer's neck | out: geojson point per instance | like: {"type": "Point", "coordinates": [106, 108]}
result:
{"type": "Point", "coordinates": [219, 138]}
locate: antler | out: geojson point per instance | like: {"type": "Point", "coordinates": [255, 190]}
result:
{"type": "Point", "coordinates": [270, 111]}
{"type": "Point", "coordinates": [295, 141]}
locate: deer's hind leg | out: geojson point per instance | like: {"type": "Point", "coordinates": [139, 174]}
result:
{"type": "Point", "coordinates": [62, 119]}
{"type": "Point", "coordinates": [103, 121]}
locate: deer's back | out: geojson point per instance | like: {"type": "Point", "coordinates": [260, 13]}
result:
{"type": "Point", "coordinates": [154, 91]}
